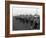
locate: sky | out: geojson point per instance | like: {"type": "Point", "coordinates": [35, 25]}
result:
{"type": "Point", "coordinates": [25, 10]}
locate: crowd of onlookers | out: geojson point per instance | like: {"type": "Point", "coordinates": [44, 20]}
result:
{"type": "Point", "coordinates": [33, 20]}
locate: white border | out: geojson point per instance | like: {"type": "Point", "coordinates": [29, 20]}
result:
{"type": "Point", "coordinates": [27, 31]}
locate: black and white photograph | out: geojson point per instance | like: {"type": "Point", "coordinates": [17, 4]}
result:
{"type": "Point", "coordinates": [26, 18]}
